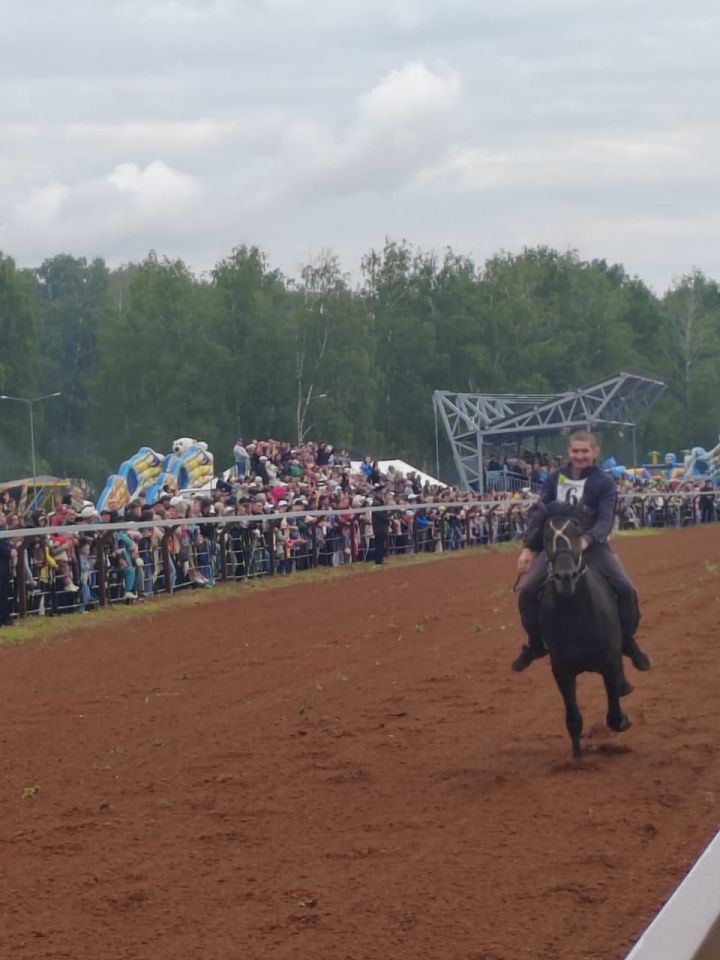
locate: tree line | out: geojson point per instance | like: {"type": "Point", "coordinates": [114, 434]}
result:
{"type": "Point", "coordinates": [151, 351]}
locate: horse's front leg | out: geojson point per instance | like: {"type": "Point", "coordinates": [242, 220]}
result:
{"type": "Point", "coordinates": [614, 678]}
{"type": "Point", "coordinates": [573, 718]}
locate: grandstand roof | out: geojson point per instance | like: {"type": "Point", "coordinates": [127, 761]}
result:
{"type": "Point", "coordinates": [472, 419]}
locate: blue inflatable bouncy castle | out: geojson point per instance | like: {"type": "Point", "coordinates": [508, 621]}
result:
{"type": "Point", "coordinates": [703, 463]}
{"type": "Point", "coordinates": [190, 465]}
{"type": "Point", "coordinates": [698, 462]}
{"type": "Point", "coordinates": [619, 471]}
{"type": "Point", "coordinates": [147, 472]}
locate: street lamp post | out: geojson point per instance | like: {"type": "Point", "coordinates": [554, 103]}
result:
{"type": "Point", "coordinates": [30, 401]}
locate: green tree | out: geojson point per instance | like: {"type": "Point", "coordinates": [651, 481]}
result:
{"type": "Point", "coordinates": [569, 317]}
{"type": "Point", "coordinates": [401, 293]}
{"type": "Point", "coordinates": [73, 299]}
{"type": "Point", "coordinates": [157, 375]}
{"type": "Point", "coordinates": [18, 366]}
{"type": "Point", "coordinates": [692, 343]}
{"type": "Point", "coordinates": [334, 378]}
{"type": "Point", "coordinates": [253, 327]}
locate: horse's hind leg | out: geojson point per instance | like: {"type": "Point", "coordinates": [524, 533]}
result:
{"type": "Point", "coordinates": [573, 717]}
{"type": "Point", "coordinates": [616, 719]}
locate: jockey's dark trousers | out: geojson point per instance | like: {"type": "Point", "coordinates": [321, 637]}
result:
{"type": "Point", "coordinates": [601, 558]}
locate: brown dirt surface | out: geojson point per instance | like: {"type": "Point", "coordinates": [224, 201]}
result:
{"type": "Point", "coordinates": [348, 770]}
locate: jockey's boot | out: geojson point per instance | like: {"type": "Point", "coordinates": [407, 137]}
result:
{"type": "Point", "coordinates": [532, 650]}
{"type": "Point", "coordinates": [639, 659]}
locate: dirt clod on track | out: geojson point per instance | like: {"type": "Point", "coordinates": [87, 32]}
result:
{"type": "Point", "coordinates": [348, 770]}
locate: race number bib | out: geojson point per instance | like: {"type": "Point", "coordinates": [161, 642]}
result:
{"type": "Point", "coordinates": [569, 491]}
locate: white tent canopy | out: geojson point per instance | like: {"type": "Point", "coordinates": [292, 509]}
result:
{"type": "Point", "coordinates": [402, 467]}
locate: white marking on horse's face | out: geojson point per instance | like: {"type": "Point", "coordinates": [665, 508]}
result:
{"type": "Point", "coordinates": [560, 534]}
{"type": "Point", "coordinates": [562, 545]}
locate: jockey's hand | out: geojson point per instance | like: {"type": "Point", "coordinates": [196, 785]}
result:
{"type": "Point", "coordinates": [525, 559]}
{"type": "Point", "coordinates": [585, 542]}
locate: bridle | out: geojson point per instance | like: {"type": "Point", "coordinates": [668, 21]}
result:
{"type": "Point", "coordinates": [561, 539]}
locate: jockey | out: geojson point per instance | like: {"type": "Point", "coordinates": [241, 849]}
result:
{"type": "Point", "coordinates": [579, 482]}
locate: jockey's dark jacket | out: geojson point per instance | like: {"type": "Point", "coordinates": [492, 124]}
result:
{"type": "Point", "coordinates": [598, 500]}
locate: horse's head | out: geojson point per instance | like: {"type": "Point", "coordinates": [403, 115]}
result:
{"type": "Point", "coordinates": [561, 535]}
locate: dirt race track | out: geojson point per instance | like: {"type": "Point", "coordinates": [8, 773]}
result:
{"type": "Point", "coordinates": [348, 770]}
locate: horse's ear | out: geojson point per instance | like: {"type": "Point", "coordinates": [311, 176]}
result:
{"type": "Point", "coordinates": [537, 515]}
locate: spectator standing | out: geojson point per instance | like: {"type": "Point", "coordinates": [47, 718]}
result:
{"type": "Point", "coordinates": [62, 548]}
{"type": "Point", "coordinates": [206, 540]}
{"type": "Point", "coordinates": [324, 455]}
{"type": "Point", "coordinates": [707, 502]}
{"type": "Point", "coordinates": [87, 575]}
{"type": "Point", "coordinates": [261, 470]}
{"type": "Point", "coordinates": [242, 459]}
{"type": "Point", "coordinates": [8, 555]}
{"type": "Point", "coordinates": [149, 548]}
{"type": "Point", "coordinates": [380, 525]}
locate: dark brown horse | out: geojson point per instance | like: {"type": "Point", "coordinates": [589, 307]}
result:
{"type": "Point", "coordinates": [580, 625]}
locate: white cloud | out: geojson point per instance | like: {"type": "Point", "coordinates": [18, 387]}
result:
{"type": "Point", "coordinates": [398, 127]}
{"type": "Point", "coordinates": [162, 10]}
{"type": "Point", "coordinates": [192, 125]}
{"type": "Point", "coordinates": [156, 186]}
{"type": "Point", "coordinates": [203, 132]}
{"type": "Point", "coordinates": [20, 131]}
{"type": "Point", "coordinates": [587, 162]}
{"type": "Point", "coordinates": [412, 93]}
{"type": "Point", "coordinates": [103, 213]}
{"type": "Point", "coordinates": [43, 206]}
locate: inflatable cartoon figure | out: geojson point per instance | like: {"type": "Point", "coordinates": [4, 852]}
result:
{"type": "Point", "coordinates": [701, 462]}
{"type": "Point", "coordinates": [183, 444]}
{"type": "Point", "coordinates": [189, 465]}
{"type": "Point", "coordinates": [672, 469]}
{"type": "Point", "coordinates": [133, 476]}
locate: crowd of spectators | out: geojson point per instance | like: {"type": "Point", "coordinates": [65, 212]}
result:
{"type": "Point", "coordinates": [281, 508]}
{"type": "Point", "coordinates": [527, 468]}
{"type": "Point", "coordinates": [666, 502]}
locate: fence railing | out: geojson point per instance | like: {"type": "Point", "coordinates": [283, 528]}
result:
{"type": "Point", "coordinates": [98, 565]}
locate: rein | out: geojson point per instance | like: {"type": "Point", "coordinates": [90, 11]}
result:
{"type": "Point", "coordinates": [577, 573]}
{"type": "Point", "coordinates": [562, 543]}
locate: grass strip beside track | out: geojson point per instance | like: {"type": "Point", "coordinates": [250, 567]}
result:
{"type": "Point", "coordinates": [46, 629]}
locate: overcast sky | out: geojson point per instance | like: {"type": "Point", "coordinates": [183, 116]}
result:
{"type": "Point", "coordinates": [192, 126]}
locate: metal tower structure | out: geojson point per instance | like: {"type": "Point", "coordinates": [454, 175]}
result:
{"type": "Point", "coordinates": [471, 420]}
